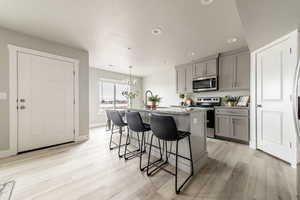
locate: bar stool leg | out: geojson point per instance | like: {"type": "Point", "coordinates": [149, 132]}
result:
{"type": "Point", "coordinates": [191, 156]}
{"type": "Point", "coordinates": [141, 151]}
{"type": "Point", "coordinates": [149, 155]}
{"type": "Point", "coordinates": [125, 153]}
{"type": "Point", "coordinates": [176, 168]}
{"type": "Point", "coordinates": [120, 142]}
{"type": "Point", "coordinates": [112, 132]}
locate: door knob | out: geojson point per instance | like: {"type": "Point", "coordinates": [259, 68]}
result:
{"type": "Point", "coordinates": [22, 107]}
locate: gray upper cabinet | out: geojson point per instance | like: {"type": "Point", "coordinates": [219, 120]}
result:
{"type": "Point", "coordinates": [205, 68]}
{"type": "Point", "coordinates": [189, 78]}
{"type": "Point", "coordinates": [184, 78]}
{"type": "Point", "coordinates": [234, 71]}
{"type": "Point", "coordinates": [199, 69]}
{"type": "Point", "coordinates": [243, 71]}
{"type": "Point", "coordinates": [180, 79]}
{"type": "Point", "coordinates": [226, 72]}
{"type": "Point", "coordinates": [211, 68]}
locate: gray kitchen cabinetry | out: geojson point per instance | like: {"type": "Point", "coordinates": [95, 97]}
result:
{"type": "Point", "coordinates": [205, 68]}
{"type": "Point", "coordinates": [184, 78]}
{"type": "Point", "coordinates": [232, 123]}
{"type": "Point", "coordinates": [234, 71]}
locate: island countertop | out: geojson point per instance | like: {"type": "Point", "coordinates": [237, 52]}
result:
{"type": "Point", "coordinates": [170, 110]}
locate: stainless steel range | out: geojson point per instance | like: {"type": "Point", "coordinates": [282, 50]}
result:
{"type": "Point", "coordinates": [209, 102]}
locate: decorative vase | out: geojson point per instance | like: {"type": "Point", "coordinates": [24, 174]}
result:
{"type": "Point", "coordinates": [153, 105]}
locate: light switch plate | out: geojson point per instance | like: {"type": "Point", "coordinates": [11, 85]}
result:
{"type": "Point", "coordinates": [3, 95]}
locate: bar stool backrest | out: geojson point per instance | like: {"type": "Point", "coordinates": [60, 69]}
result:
{"type": "Point", "coordinates": [164, 127]}
{"type": "Point", "coordinates": [135, 122]}
{"type": "Point", "coordinates": [116, 118]}
{"type": "Point", "coordinates": [107, 112]}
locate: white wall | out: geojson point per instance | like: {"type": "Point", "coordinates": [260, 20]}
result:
{"type": "Point", "coordinates": [164, 84]}
{"type": "Point", "coordinates": [98, 118]}
{"type": "Point", "coordinates": [22, 40]}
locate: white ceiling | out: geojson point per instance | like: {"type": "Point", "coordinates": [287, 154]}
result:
{"type": "Point", "coordinates": [106, 28]}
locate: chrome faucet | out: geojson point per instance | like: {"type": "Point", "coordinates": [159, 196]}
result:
{"type": "Point", "coordinates": [146, 96]}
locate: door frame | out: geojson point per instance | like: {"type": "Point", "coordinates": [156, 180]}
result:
{"type": "Point", "coordinates": [253, 93]}
{"type": "Point", "coordinates": [13, 92]}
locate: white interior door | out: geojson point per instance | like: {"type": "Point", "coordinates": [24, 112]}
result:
{"type": "Point", "coordinates": [274, 89]}
{"type": "Point", "coordinates": [45, 101]}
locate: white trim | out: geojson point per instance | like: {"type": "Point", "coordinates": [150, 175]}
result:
{"type": "Point", "coordinates": [253, 128]}
{"type": "Point", "coordinates": [82, 138]}
{"type": "Point", "coordinates": [13, 94]}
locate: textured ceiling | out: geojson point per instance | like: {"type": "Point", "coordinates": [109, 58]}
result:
{"type": "Point", "coordinates": [107, 28]}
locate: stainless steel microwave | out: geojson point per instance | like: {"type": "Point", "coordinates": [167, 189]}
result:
{"type": "Point", "coordinates": [205, 84]}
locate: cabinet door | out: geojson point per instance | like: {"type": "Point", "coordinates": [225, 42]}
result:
{"type": "Point", "coordinates": [240, 128]}
{"type": "Point", "coordinates": [211, 68]}
{"type": "Point", "coordinates": [223, 126]}
{"type": "Point", "coordinates": [226, 72]}
{"type": "Point", "coordinates": [200, 69]}
{"type": "Point", "coordinates": [189, 79]}
{"type": "Point", "coordinates": [242, 75]}
{"type": "Point", "coordinates": [180, 73]}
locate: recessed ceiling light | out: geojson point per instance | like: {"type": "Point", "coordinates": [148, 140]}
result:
{"type": "Point", "coordinates": [193, 53]}
{"type": "Point", "coordinates": [206, 2]}
{"type": "Point", "coordinates": [232, 40]}
{"type": "Point", "coordinates": [156, 31]}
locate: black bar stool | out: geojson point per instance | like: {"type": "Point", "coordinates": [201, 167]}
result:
{"type": "Point", "coordinates": [164, 128]}
{"type": "Point", "coordinates": [136, 124]}
{"type": "Point", "coordinates": [117, 121]}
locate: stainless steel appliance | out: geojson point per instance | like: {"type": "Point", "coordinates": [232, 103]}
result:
{"type": "Point", "coordinates": [209, 102]}
{"type": "Point", "coordinates": [205, 84]}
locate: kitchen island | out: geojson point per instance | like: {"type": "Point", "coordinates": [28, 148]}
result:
{"type": "Point", "coordinates": [192, 120]}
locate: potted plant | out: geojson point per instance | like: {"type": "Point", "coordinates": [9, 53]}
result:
{"type": "Point", "coordinates": [154, 100]}
{"type": "Point", "coordinates": [230, 100]}
{"type": "Point", "coordinates": [182, 96]}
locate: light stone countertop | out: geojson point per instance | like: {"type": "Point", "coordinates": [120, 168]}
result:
{"type": "Point", "coordinates": [171, 110]}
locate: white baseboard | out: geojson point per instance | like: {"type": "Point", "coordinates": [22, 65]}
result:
{"type": "Point", "coordinates": [7, 153]}
{"type": "Point", "coordinates": [82, 138]}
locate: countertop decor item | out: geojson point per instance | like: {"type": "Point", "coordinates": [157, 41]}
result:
{"type": "Point", "coordinates": [182, 96]}
{"type": "Point", "coordinates": [230, 100]}
{"type": "Point", "coordinates": [243, 101]}
{"type": "Point", "coordinates": [155, 99]}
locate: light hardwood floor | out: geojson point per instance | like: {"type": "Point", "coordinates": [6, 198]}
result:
{"type": "Point", "coordinates": [90, 171]}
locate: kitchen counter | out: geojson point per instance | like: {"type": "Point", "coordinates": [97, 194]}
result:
{"type": "Point", "coordinates": [232, 107]}
{"type": "Point", "coordinates": [192, 120]}
{"type": "Point", "coordinates": [171, 110]}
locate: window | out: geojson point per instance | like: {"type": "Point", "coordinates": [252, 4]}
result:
{"type": "Point", "coordinates": [110, 95]}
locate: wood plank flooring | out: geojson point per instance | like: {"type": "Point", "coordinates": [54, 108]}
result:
{"type": "Point", "coordinates": [89, 171]}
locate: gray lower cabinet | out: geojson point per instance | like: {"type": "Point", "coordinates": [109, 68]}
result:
{"type": "Point", "coordinates": [184, 78]}
{"type": "Point", "coordinates": [232, 124]}
{"type": "Point", "coordinates": [223, 125]}
{"type": "Point", "coordinates": [234, 71]}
